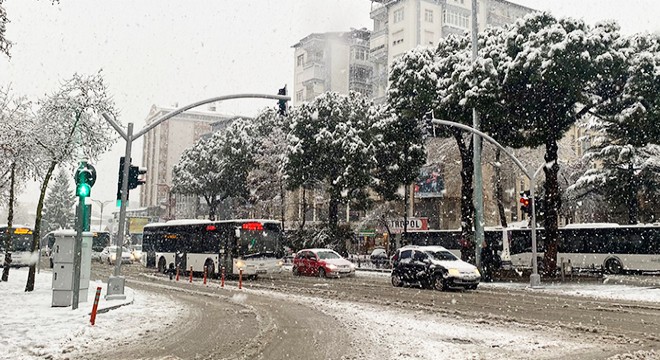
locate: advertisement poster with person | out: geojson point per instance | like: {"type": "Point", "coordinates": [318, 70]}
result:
{"type": "Point", "coordinates": [430, 182]}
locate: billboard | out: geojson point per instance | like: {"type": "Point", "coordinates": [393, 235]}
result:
{"type": "Point", "coordinates": [430, 182]}
{"type": "Point", "coordinates": [136, 224]}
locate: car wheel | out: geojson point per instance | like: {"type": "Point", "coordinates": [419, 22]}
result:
{"type": "Point", "coordinates": [295, 271]}
{"type": "Point", "coordinates": [396, 280]}
{"type": "Point", "coordinates": [161, 265]}
{"type": "Point", "coordinates": [439, 283]}
{"type": "Point", "coordinates": [613, 266]}
{"type": "Point", "coordinates": [321, 272]}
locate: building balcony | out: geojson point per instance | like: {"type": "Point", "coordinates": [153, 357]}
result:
{"type": "Point", "coordinates": [314, 73]}
{"type": "Point", "coordinates": [378, 54]}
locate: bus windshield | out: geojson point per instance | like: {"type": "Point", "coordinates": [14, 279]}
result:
{"type": "Point", "coordinates": [21, 239]}
{"type": "Point", "coordinates": [259, 242]}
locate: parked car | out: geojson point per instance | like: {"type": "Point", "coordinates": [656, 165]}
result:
{"type": "Point", "coordinates": [379, 257]}
{"type": "Point", "coordinates": [321, 263]}
{"type": "Point", "coordinates": [432, 267]}
{"type": "Point", "coordinates": [109, 255]}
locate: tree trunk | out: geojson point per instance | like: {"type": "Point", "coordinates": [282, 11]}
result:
{"type": "Point", "coordinates": [212, 204]}
{"type": "Point", "coordinates": [10, 220]}
{"type": "Point", "coordinates": [552, 206]}
{"type": "Point", "coordinates": [633, 206]}
{"type": "Point", "coordinates": [29, 286]}
{"type": "Point", "coordinates": [499, 194]}
{"type": "Point", "coordinates": [282, 210]}
{"type": "Point", "coordinates": [304, 208]}
{"type": "Point", "coordinates": [467, 206]}
{"type": "Point", "coordinates": [333, 213]}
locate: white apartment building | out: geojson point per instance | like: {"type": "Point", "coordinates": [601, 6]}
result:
{"type": "Point", "coordinates": [162, 149]}
{"type": "Point", "coordinates": [401, 25]}
{"type": "Point", "coordinates": [333, 61]}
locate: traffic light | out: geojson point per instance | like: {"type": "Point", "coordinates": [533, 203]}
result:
{"type": "Point", "coordinates": [134, 177]}
{"type": "Point", "coordinates": [120, 181]}
{"type": "Point", "coordinates": [85, 178]}
{"type": "Point", "coordinates": [282, 103]}
{"type": "Point", "coordinates": [526, 202]}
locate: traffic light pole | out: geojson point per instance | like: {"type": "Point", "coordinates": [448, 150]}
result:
{"type": "Point", "coordinates": [77, 250]}
{"type": "Point", "coordinates": [116, 282]}
{"type": "Point", "coordinates": [534, 278]}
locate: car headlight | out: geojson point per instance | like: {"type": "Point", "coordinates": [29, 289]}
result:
{"type": "Point", "coordinates": [113, 257]}
{"type": "Point", "coordinates": [280, 263]}
{"type": "Point", "coordinates": [454, 272]}
{"type": "Point", "coordinates": [240, 264]}
{"type": "Point", "coordinates": [352, 266]}
{"type": "Point", "coordinates": [476, 271]}
{"type": "Point", "coordinates": [332, 267]}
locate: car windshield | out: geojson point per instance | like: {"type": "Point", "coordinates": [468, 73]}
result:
{"type": "Point", "coordinates": [328, 255]}
{"type": "Point", "coordinates": [442, 255]}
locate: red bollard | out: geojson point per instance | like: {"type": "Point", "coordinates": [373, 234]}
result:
{"type": "Point", "coordinates": [205, 274]}
{"type": "Point", "coordinates": [177, 273]}
{"type": "Point", "coordinates": [96, 305]}
{"type": "Point", "coordinates": [191, 271]}
{"type": "Point", "coordinates": [240, 278]}
{"type": "Point", "coordinates": [222, 284]}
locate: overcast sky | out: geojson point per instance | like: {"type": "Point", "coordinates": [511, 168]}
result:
{"type": "Point", "coordinates": [165, 52]}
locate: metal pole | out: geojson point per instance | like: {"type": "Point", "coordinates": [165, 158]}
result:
{"type": "Point", "coordinates": [77, 249]}
{"type": "Point", "coordinates": [535, 278]}
{"type": "Point", "coordinates": [478, 193]}
{"type": "Point", "coordinates": [116, 282]}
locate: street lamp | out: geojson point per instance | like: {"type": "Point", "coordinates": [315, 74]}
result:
{"type": "Point", "coordinates": [101, 204]}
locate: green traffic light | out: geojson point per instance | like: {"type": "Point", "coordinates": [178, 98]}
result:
{"type": "Point", "coordinates": [83, 190]}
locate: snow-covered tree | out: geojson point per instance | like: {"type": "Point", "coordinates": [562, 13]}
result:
{"type": "Point", "coordinates": [266, 179]}
{"type": "Point", "coordinates": [70, 126]}
{"type": "Point", "coordinates": [330, 144]}
{"type": "Point", "coordinates": [60, 200]}
{"type": "Point", "coordinates": [216, 168]}
{"type": "Point", "coordinates": [543, 74]}
{"type": "Point", "coordinates": [626, 128]}
{"type": "Point", "coordinates": [5, 44]}
{"type": "Point", "coordinates": [16, 156]}
{"type": "Point", "coordinates": [399, 154]}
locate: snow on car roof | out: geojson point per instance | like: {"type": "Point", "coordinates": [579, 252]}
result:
{"type": "Point", "coordinates": [424, 248]}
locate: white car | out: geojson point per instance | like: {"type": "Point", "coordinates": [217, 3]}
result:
{"type": "Point", "coordinates": [109, 255]}
{"type": "Point", "coordinates": [136, 253]}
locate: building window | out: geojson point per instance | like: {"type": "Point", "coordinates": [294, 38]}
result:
{"type": "Point", "coordinates": [397, 41]}
{"type": "Point", "coordinates": [398, 16]}
{"type": "Point", "coordinates": [300, 61]}
{"type": "Point", "coordinates": [359, 53]}
{"type": "Point", "coordinates": [453, 18]}
{"type": "Point", "coordinates": [299, 96]}
{"type": "Point", "coordinates": [428, 15]}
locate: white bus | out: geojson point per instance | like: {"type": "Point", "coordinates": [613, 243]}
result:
{"type": "Point", "coordinates": [21, 243]}
{"type": "Point", "coordinates": [248, 244]}
{"type": "Point", "coordinates": [611, 247]}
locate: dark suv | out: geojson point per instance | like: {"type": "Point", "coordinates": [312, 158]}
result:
{"type": "Point", "coordinates": [432, 267]}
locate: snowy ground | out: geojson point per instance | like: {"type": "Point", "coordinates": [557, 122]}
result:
{"type": "Point", "coordinates": [32, 329]}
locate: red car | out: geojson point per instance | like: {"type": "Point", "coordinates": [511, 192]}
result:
{"type": "Point", "coordinates": [322, 263]}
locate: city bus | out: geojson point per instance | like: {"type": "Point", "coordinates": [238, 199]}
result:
{"type": "Point", "coordinates": [21, 243]}
{"type": "Point", "coordinates": [610, 247]}
{"type": "Point", "coordinates": [255, 246]}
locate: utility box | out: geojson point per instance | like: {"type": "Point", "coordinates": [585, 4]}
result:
{"type": "Point", "coordinates": [63, 266]}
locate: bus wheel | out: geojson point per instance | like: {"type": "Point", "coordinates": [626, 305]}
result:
{"type": "Point", "coordinates": [613, 266]}
{"type": "Point", "coordinates": [321, 272]}
{"type": "Point", "coordinates": [210, 269]}
{"type": "Point", "coordinates": [161, 265]}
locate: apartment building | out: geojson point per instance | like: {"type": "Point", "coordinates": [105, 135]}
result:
{"type": "Point", "coordinates": [333, 61]}
{"type": "Point", "coordinates": [401, 25]}
{"type": "Point", "coordinates": [162, 149]}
